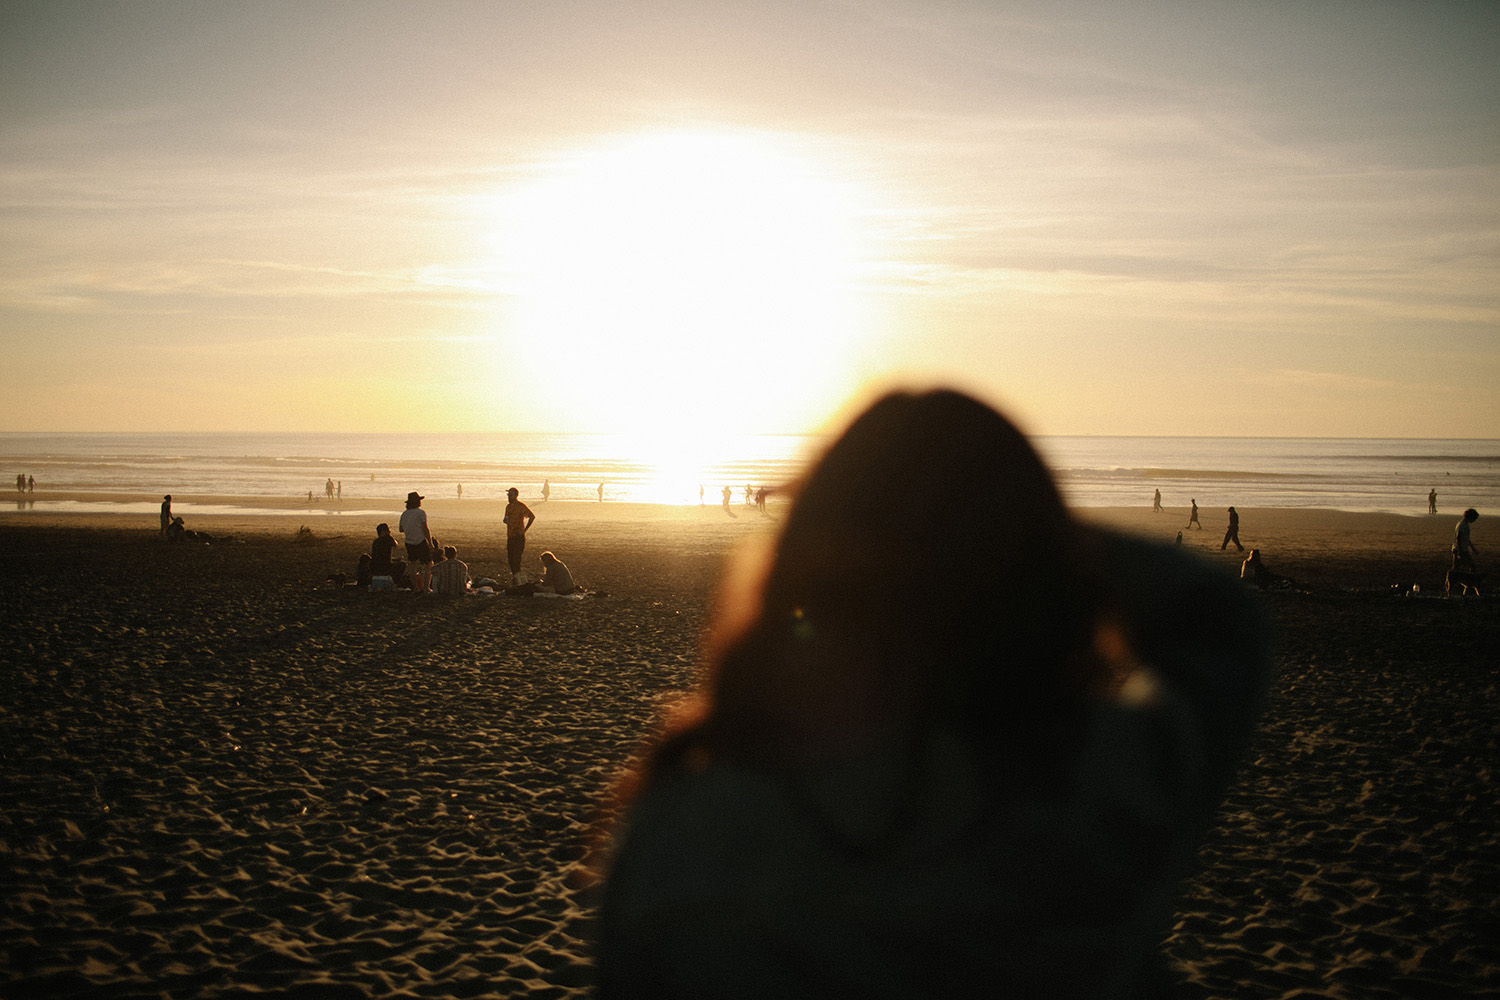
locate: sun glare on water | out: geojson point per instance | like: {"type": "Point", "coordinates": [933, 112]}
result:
{"type": "Point", "coordinates": [684, 282]}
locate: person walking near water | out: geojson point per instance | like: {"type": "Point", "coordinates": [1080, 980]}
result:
{"type": "Point", "coordinates": [1233, 534]}
{"type": "Point", "coordinates": [1193, 516]}
{"type": "Point", "coordinates": [518, 520]}
{"type": "Point", "coordinates": [1156, 502]}
{"type": "Point", "coordinates": [166, 515]}
{"type": "Point", "coordinates": [419, 554]}
{"type": "Point", "coordinates": [1463, 547]}
{"type": "Point", "coordinates": [1432, 501]}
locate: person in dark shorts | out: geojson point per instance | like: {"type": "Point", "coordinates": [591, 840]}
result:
{"type": "Point", "coordinates": [518, 520]}
{"type": "Point", "coordinates": [418, 542]}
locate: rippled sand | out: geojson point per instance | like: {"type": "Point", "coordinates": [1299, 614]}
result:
{"type": "Point", "coordinates": [219, 775]}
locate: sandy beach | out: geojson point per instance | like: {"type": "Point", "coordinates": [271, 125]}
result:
{"type": "Point", "coordinates": [219, 775]}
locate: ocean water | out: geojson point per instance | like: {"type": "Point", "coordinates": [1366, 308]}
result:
{"type": "Point", "coordinates": [376, 470]}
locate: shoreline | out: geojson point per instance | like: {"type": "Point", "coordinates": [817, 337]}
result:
{"type": "Point", "coordinates": [1322, 547]}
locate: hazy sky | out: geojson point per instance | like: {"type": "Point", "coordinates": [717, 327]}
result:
{"type": "Point", "coordinates": [1138, 218]}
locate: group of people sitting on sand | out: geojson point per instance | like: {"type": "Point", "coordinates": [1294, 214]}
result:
{"type": "Point", "coordinates": [423, 571]}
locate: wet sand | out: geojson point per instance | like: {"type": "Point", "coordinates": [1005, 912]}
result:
{"type": "Point", "coordinates": [218, 775]}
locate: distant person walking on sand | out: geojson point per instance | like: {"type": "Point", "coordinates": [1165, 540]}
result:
{"type": "Point", "coordinates": [1193, 516]}
{"type": "Point", "coordinates": [460, 491]}
{"type": "Point", "coordinates": [31, 484]}
{"type": "Point", "coordinates": [1233, 534]}
{"type": "Point", "coordinates": [328, 488]}
{"type": "Point", "coordinates": [1463, 547]}
{"type": "Point", "coordinates": [546, 490]}
{"type": "Point", "coordinates": [166, 515]}
{"type": "Point", "coordinates": [518, 520]}
{"type": "Point", "coordinates": [1156, 502]}
{"type": "Point", "coordinates": [555, 576]}
{"type": "Point", "coordinates": [451, 576]}
{"type": "Point", "coordinates": [419, 554]}
{"type": "Point", "coordinates": [339, 490]}
{"type": "Point", "coordinates": [1432, 501]}
{"type": "Point", "coordinates": [20, 482]}
{"type": "Point", "coordinates": [601, 492]}
{"type": "Point", "coordinates": [726, 498]}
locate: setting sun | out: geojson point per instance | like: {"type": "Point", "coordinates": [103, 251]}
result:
{"type": "Point", "coordinates": [684, 278]}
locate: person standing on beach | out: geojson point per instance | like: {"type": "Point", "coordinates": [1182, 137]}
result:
{"type": "Point", "coordinates": [413, 525]}
{"type": "Point", "coordinates": [518, 520]}
{"type": "Point", "coordinates": [887, 791]}
{"type": "Point", "coordinates": [1432, 501]}
{"type": "Point", "coordinates": [31, 484]}
{"type": "Point", "coordinates": [1156, 502]}
{"type": "Point", "coordinates": [1193, 516]}
{"type": "Point", "coordinates": [1463, 546]}
{"type": "Point", "coordinates": [546, 490]}
{"type": "Point", "coordinates": [1233, 534]}
{"type": "Point", "coordinates": [601, 492]}
{"type": "Point", "coordinates": [166, 515]}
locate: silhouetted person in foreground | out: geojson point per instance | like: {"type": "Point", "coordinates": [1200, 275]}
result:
{"type": "Point", "coordinates": [981, 790]}
{"type": "Point", "coordinates": [1193, 516]}
{"type": "Point", "coordinates": [166, 515]}
{"type": "Point", "coordinates": [1233, 532]}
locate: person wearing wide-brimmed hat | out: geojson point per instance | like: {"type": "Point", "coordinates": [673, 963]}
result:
{"type": "Point", "coordinates": [413, 526]}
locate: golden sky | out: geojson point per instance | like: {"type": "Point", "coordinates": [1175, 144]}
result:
{"type": "Point", "coordinates": [1136, 218]}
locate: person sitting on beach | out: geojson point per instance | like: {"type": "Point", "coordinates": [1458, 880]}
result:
{"type": "Point", "coordinates": [555, 576]}
{"type": "Point", "coordinates": [1254, 571]}
{"type": "Point", "coordinates": [363, 571]}
{"type": "Point", "coordinates": [419, 553]}
{"type": "Point", "coordinates": [451, 576]}
{"type": "Point", "coordinates": [895, 791]}
{"type": "Point", "coordinates": [176, 531]}
{"type": "Point", "coordinates": [381, 549]}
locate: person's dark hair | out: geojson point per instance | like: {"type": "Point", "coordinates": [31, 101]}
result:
{"type": "Point", "coordinates": [1471, 514]}
{"type": "Point", "coordinates": [928, 575]}
{"type": "Point", "coordinates": [449, 552]}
